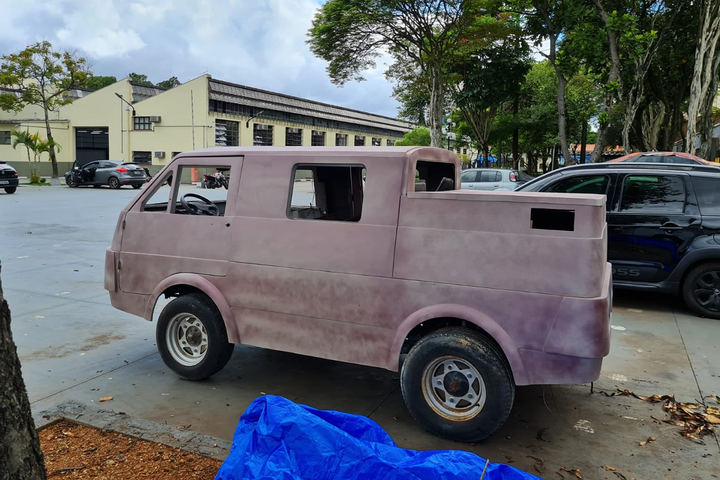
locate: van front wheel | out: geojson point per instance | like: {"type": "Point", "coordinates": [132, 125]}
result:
{"type": "Point", "coordinates": [457, 384]}
{"type": "Point", "coordinates": [191, 337]}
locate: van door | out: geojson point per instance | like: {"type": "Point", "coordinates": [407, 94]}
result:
{"type": "Point", "coordinates": [176, 227]}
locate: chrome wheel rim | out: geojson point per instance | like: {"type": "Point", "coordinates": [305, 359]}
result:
{"type": "Point", "coordinates": [707, 291]}
{"type": "Point", "coordinates": [187, 340]}
{"type": "Point", "coordinates": [114, 182]}
{"type": "Point", "coordinates": [454, 388]}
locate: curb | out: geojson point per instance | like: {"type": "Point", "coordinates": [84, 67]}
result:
{"type": "Point", "coordinates": [119, 422]}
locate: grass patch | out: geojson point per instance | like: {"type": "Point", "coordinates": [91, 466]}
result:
{"type": "Point", "coordinates": [37, 184]}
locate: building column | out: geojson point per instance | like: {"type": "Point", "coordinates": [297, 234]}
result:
{"type": "Point", "coordinates": [307, 137]}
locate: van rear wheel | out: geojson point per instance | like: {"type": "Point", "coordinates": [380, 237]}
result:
{"type": "Point", "coordinates": [457, 385]}
{"type": "Point", "coordinates": [191, 337]}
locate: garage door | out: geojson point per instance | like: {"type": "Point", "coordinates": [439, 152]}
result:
{"type": "Point", "coordinates": [91, 143]}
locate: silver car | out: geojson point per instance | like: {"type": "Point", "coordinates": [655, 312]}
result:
{"type": "Point", "coordinates": [106, 172]}
{"type": "Point", "coordinates": [490, 179]}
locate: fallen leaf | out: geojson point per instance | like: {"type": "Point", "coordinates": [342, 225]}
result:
{"type": "Point", "coordinates": [620, 476]}
{"type": "Point", "coordinates": [68, 434]}
{"type": "Point", "coordinates": [538, 461]}
{"type": "Point", "coordinates": [574, 471]}
{"type": "Point", "coordinates": [105, 399]}
{"type": "Point", "coordinates": [609, 468]}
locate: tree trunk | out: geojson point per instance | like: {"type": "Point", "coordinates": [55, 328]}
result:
{"type": "Point", "coordinates": [486, 153]}
{"type": "Point", "coordinates": [516, 134]}
{"type": "Point", "coordinates": [613, 84]}
{"type": "Point", "coordinates": [436, 106]}
{"type": "Point", "coordinates": [53, 158]}
{"type": "Point", "coordinates": [562, 120]}
{"type": "Point", "coordinates": [651, 118]}
{"type": "Point", "coordinates": [583, 141]}
{"type": "Point", "coordinates": [705, 79]}
{"type": "Point", "coordinates": [20, 454]}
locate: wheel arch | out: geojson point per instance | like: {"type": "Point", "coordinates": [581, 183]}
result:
{"type": "Point", "coordinates": [456, 315]}
{"type": "Point", "coordinates": [186, 283]}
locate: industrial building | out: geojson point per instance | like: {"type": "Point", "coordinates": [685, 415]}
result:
{"type": "Point", "coordinates": [149, 125]}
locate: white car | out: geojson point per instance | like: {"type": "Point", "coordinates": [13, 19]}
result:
{"type": "Point", "coordinates": [490, 179]}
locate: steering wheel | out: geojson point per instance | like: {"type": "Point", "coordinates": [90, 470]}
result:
{"type": "Point", "coordinates": [206, 208]}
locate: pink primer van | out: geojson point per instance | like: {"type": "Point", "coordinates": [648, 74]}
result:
{"type": "Point", "coordinates": [373, 256]}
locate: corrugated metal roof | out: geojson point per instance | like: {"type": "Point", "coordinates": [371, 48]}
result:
{"type": "Point", "coordinates": [143, 92]}
{"type": "Point", "coordinates": [254, 97]}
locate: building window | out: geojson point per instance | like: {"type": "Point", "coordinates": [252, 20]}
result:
{"type": "Point", "coordinates": [376, 141]}
{"type": "Point", "coordinates": [318, 139]}
{"type": "Point", "coordinates": [341, 140]}
{"type": "Point", "coordinates": [5, 137]}
{"type": "Point", "coordinates": [359, 140]}
{"type": "Point", "coordinates": [142, 123]}
{"type": "Point", "coordinates": [262, 135]}
{"type": "Point", "coordinates": [142, 157]}
{"type": "Point", "coordinates": [390, 143]}
{"type": "Point", "coordinates": [293, 137]}
{"type": "Point", "coordinates": [227, 133]}
{"type": "Point", "coordinates": [464, 151]}
{"type": "Point", "coordinates": [327, 192]}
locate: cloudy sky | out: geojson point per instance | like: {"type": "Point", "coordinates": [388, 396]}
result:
{"type": "Point", "coordinates": [259, 43]}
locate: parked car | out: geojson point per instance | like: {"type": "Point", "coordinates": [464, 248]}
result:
{"type": "Point", "coordinates": [375, 275]}
{"type": "Point", "coordinates": [8, 177]}
{"type": "Point", "coordinates": [663, 225]}
{"type": "Point", "coordinates": [490, 179]}
{"type": "Point", "coordinates": [663, 157]}
{"type": "Point", "coordinates": [112, 173]}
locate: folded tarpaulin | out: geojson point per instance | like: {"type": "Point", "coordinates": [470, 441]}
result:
{"type": "Point", "coordinates": [278, 439]}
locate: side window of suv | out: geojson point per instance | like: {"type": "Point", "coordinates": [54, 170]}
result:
{"type": "Point", "coordinates": [708, 194]}
{"type": "Point", "coordinates": [596, 184]}
{"type": "Point", "coordinates": [652, 193]}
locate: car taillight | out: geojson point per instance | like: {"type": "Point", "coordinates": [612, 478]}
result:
{"type": "Point", "coordinates": [15, 174]}
{"type": "Point", "coordinates": [121, 169]}
{"type": "Point", "coordinates": [513, 177]}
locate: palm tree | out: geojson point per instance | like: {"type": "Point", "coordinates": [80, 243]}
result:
{"type": "Point", "coordinates": [33, 143]}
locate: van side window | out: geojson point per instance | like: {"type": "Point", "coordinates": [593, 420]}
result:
{"type": "Point", "coordinates": [201, 190]}
{"type": "Point", "coordinates": [437, 176]}
{"type": "Point", "coordinates": [327, 192]}
{"type": "Point", "coordinates": [158, 200]}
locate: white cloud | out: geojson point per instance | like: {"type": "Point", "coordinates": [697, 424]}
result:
{"type": "Point", "coordinates": [259, 43]}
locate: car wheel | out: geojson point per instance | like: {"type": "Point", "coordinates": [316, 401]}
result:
{"type": "Point", "coordinates": [701, 290]}
{"type": "Point", "coordinates": [191, 337]}
{"type": "Point", "coordinates": [71, 183]}
{"type": "Point", "coordinates": [10, 190]}
{"type": "Point", "coordinates": [114, 183]}
{"type": "Point", "coordinates": [136, 186]}
{"type": "Point", "coordinates": [457, 384]}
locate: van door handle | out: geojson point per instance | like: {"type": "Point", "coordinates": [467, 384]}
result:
{"type": "Point", "coordinates": [670, 226]}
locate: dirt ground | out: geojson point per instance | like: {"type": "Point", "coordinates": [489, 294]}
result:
{"type": "Point", "coordinates": [75, 451]}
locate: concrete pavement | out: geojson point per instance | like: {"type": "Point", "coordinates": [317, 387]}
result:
{"type": "Point", "coordinates": [75, 346]}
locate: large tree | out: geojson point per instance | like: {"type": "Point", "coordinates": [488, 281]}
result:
{"type": "Point", "coordinates": [41, 76]}
{"type": "Point", "coordinates": [20, 454]}
{"type": "Point", "coordinates": [97, 82]}
{"type": "Point", "coordinates": [171, 82]}
{"type": "Point", "coordinates": [352, 34]}
{"type": "Point", "coordinates": [704, 86]}
{"type": "Point", "coordinates": [140, 79]}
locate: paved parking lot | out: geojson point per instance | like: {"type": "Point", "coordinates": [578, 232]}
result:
{"type": "Point", "coordinates": [74, 345]}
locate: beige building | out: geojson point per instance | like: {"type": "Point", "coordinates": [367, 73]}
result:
{"type": "Point", "coordinates": [149, 125]}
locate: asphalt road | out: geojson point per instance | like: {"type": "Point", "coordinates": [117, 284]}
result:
{"type": "Point", "coordinates": [74, 345]}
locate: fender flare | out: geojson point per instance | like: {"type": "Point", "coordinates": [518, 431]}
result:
{"type": "Point", "coordinates": [495, 331]}
{"type": "Point", "coordinates": [205, 286]}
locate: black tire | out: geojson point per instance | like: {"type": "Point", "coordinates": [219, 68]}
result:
{"type": "Point", "coordinates": [10, 190]}
{"type": "Point", "coordinates": [136, 186]}
{"type": "Point", "coordinates": [114, 183]}
{"type": "Point", "coordinates": [472, 348]}
{"type": "Point", "coordinates": [701, 290]}
{"type": "Point", "coordinates": [71, 183]}
{"type": "Point", "coordinates": [218, 351]}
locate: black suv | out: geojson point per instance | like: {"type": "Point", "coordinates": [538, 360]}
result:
{"type": "Point", "coordinates": [663, 225]}
{"type": "Point", "coordinates": [8, 177]}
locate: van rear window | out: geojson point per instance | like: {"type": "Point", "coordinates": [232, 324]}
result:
{"type": "Point", "coordinates": [327, 192]}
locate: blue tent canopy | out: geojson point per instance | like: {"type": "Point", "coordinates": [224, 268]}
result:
{"type": "Point", "coordinates": [278, 439]}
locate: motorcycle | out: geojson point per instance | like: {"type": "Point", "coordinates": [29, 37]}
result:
{"type": "Point", "coordinates": [216, 180]}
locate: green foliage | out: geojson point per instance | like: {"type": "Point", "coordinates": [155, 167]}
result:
{"type": "Point", "coordinates": [140, 79]}
{"type": "Point", "coordinates": [97, 82]}
{"type": "Point", "coordinates": [171, 82]}
{"type": "Point", "coordinates": [420, 137]}
{"type": "Point", "coordinates": [41, 76]}
{"type": "Point", "coordinates": [465, 159]}
{"type": "Point", "coordinates": [35, 145]}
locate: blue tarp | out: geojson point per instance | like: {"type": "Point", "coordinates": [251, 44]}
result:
{"type": "Point", "coordinates": [278, 439]}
